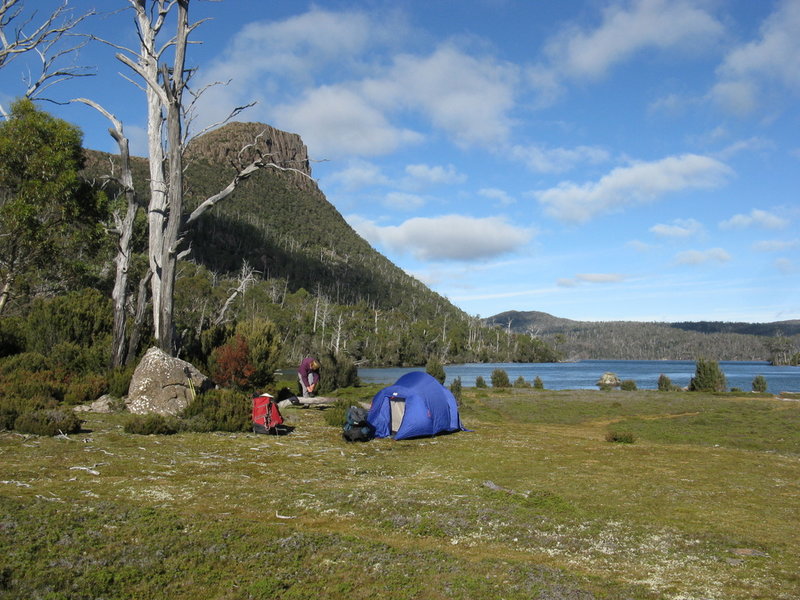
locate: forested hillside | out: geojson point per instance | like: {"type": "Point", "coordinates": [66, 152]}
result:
{"type": "Point", "coordinates": [295, 261]}
{"type": "Point", "coordinates": [630, 340]}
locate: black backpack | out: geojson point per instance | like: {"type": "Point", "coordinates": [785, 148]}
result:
{"type": "Point", "coordinates": [356, 427]}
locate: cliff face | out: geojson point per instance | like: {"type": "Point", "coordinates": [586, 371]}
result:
{"type": "Point", "coordinates": [240, 143]}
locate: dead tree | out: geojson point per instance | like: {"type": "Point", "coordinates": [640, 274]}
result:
{"type": "Point", "coordinates": [21, 33]}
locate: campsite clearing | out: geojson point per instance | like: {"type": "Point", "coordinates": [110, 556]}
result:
{"type": "Point", "coordinates": [534, 503]}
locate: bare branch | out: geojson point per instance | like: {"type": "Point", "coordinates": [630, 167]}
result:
{"type": "Point", "coordinates": [43, 39]}
{"type": "Point", "coordinates": [246, 279]}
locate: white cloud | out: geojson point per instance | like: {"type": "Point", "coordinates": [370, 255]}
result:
{"type": "Point", "coordinates": [335, 120]}
{"type": "Point", "coordinates": [626, 30]}
{"type": "Point", "coordinates": [468, 97]}
{"type": "Point", "coordinates": [786, 266]}
{"type": "Point", "coordinates": [680, 228]}
{"type": "Point", "coordinates": [640, 246]}
{"type": "Point", "coordinates": [775, 245]}
{"type": "Point", "coordinates": [498, 196]}
{"type": "Point", "coordinates": [449, 237]}
{"type": "Point", "coordinates": [402, 201]}
{"type": "Point", "coordinates": [698, 257]}
{"type": "Point", "coordinates": [557, 160]}
{"type": "Point", "coordinates": [435, 174]}
{"type": "Point", "coordinates": [359, 174]}
{"type": "Point", "coordinates": [636, 184]}
{"type": "Point", "coordinates": [773, 58]}
{"type": "Point", "coordinates": [756, 218]}
{"type": "Point", "coordinates": [600, 277]}
{"type": "Point", "coordinates": [590, 278]}
{"type": "Point", "coordinates": [295, 47]}
{"type": "Point", "coordinates": [738, 97]}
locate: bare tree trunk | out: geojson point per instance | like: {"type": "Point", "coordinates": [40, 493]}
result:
{"type": "Point", "coordinates": [138, 318]}
{"type": "Point", "coordinates": [6, 291]}
{"type": "Point", "coordinates": [124, 226]}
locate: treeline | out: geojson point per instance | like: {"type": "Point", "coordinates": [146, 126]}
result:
{"type": "Point", "coordinates": [629, 340]}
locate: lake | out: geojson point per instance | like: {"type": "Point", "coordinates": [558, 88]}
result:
{"type": "Point", "coordinates": [584, 374]}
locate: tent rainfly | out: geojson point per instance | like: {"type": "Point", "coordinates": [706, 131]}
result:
{"type": "Point", "coordinates": [416, 405]}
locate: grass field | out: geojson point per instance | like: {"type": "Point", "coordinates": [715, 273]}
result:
{"type": "Point", "coordinates": [532, 503]}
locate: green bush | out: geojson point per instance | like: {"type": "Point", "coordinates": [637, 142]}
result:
{"type": "Point", "coordinates": [664, 383]}
{"type": "Point", "coordinates": [620, 437]}
{"type": "Point", "coordinates": [455, 389]}
{"type": "Point", "coordinates": [708, 377]}
{"type": "Point", "coordinates": [262, 338]}
{"type": "Point", "coordinates": [8, 415]}
{"type": "Point", "coordinates": [760, 384]}
{"type": "Point", "coordinates": [628, 385]}
{"type": "Point", "coordinates": [336, 371]}
{"type": "Point", "coordinates": [520, 382]}
{"type": "Point", "coordinates": [500, 379]}
{"type": "Point", "coordinates": [336, 415]}
{"type": "Point", "coordinates": [27, 361]}
{"type": "Point", "coordinates": [32, 389]}
{"type": "Point", "coordinates": [480, 382]}
{"type": "Point", "coordinates": [74, 328]}
{"type": "Point", "coordinates": [538, 384]}
{"type": "Point", "coordinates": [86, 389]}
{"type": "Point", "coordinates": [435, 369]}
{"type": "Point", "coordinates": [12, 336]}
{"type": "Point", "coordinates": [119, 381]}
{"type": "Point", "coordinates": [220, 410]}
{"type": "Point", "coordinates": [48, 422]}
{"type": "Point", "coordinates": [152, 424]}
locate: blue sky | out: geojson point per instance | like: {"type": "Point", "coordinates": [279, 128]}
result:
{"type": "Point", "coordinates": [593, 159]}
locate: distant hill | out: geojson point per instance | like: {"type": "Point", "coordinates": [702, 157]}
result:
{"type": "Point", "coordinates": [632, 340]}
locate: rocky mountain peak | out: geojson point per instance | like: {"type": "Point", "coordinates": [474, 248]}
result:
{"type": "Point", "coordinates": [239, 143]}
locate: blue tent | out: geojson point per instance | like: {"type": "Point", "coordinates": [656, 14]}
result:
{"type": "Point", "coordinates": [416, 405]}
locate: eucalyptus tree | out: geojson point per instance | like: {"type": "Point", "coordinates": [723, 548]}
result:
{"type": "Point", "coordinates": [42, 198]}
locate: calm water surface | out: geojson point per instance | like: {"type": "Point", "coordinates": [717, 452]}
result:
{"type": "Point", "coordinates": [584, 374]}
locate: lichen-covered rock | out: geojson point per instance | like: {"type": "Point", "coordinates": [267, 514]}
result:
{"type": "Point", "coordinates": [163, 384]}
{"type": "Point", "coordinates": [104, 404]}
{"type": "Point", "coordinates": [609, 380]}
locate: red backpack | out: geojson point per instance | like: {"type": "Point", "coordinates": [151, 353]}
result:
{"type": "Point", "coordinates": [266, 416]}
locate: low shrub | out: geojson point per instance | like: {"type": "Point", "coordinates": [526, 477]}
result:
{"type": "Point", "coordinates": [538, 384]}
{"type": "Point", "coordinates": [48, 422]}
{"type": "Point", "coordinates": [628, 385]}
{"type": "Point", "coordinates": [480, 382]}
{"type": "Point", "coordinates": [455, 389]}
{"type": "Point", "coordinates": [8, 415]}
{"type": "Point", "coordinates": [222, 410]}
{"type": "Point", "coordinates": [435, 369]}
{"type": "Point", "coordinates": [759, 384]}
{"type": "Point", "coordinates": [119, 381]}
{"type": "Point", "coordinates": [336, 371]}
{"type": "Point", "coordinates": [620, 437]}
{"type": "Point", "coordinates": [27, 361]}
{"type": "Point", "coordinates": [336, 415]}
{"type": "Point", "coordinates": [12, 336]}
{"type": "Point", "coordinates": [86, 389]}
{"type": "Point", "coordinates": [33, 389]}
{"type": "Point", "coordinates": [520, 382]}
{"type": "Point", "coordinates": [500, 379]}
{"type": "Point", "coordinates": [708, 377]}
{"type": "Point", "coordinates": [152, 424]}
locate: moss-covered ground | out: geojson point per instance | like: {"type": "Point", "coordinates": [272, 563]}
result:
{"type": "Point", "coordinates": [532, 503]}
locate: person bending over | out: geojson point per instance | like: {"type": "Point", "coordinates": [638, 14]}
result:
{"type": "Point", "coordinates": [308, 374]}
